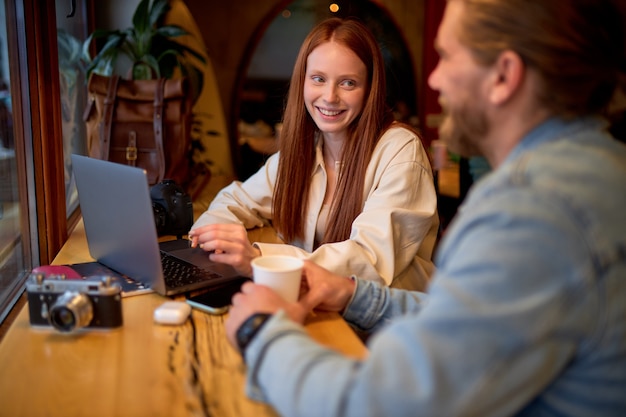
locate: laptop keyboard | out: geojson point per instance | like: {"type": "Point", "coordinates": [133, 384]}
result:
{"type": "Point", "coordinates": [178, 273]}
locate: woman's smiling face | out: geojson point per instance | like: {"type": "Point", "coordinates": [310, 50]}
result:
{"type": "Point", "coordinates": [334, 88]}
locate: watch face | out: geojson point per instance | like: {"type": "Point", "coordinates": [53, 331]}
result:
{"type": "Point", "coordinates": [250, 328]}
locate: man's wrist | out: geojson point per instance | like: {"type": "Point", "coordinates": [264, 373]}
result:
{"type": "Point", "coordinates": [249, 328]}
{"type": "Point", "coordinates": [349, 293]}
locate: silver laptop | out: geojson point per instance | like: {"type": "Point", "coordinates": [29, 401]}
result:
{"type": "Point", "coordinates": [121, 232]}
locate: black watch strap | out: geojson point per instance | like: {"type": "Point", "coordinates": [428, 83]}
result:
{"type": "Point", "coordinates": [249, 329]}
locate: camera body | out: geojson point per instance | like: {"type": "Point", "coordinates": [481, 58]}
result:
{"type": "Point", "coordinates": [172, 207]}
{"type": "Point", "coordinates": [71, 304]}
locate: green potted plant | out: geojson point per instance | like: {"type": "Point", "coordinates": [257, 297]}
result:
{"type": "Point", "coordinates": [150, 46]}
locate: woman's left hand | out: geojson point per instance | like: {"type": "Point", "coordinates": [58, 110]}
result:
{"type": "Point", "coordinates": [229, 244]}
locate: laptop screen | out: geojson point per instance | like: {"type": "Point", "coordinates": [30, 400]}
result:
{"type": "Point", "coordinates": [118, 217]}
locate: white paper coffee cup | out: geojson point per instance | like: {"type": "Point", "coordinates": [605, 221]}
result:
{"type": "Point", "coordinates": [281, 273]}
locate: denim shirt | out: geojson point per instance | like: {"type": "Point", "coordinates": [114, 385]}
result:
{"type": "Point", "coordinates": [525, 316]}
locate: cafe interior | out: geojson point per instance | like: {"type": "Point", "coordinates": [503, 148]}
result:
{"type": "Point", "coordinates": [248, 46]}
{"type": "Point", "coordinates": [248, 49]}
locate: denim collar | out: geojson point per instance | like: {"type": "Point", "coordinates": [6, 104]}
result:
{"type": "Point", "coordinates": [553, 129]}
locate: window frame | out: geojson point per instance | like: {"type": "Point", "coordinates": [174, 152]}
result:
{"type": "Point", "coordinates": [36, 103]}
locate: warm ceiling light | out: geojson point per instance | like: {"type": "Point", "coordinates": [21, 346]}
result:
{"type": "Point", "coordinates": [334, 7]}
{"type": "Point", "coordinates": [286, 14]}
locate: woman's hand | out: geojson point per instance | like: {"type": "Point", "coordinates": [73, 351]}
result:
{"type": "Point", "coordinates": [229, 244]}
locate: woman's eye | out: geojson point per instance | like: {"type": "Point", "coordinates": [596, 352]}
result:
{"type": "Point", "coordinates": [317, 79]}
{"type": "Point", "coordinates": [348, 84]}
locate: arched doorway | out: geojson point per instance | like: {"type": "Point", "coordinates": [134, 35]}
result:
{"type": "Point", "coordinates": [266, 68]}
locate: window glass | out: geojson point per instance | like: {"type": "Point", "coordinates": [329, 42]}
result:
{"type": "Point", "coordinates": [20, 149]}
{"type": "Point", "coordinates": [71, 33]}
{"type": "Point", "coordinates": [12, 262]}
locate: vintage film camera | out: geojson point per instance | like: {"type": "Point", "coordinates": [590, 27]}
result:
{"type": "Point", "coordinates": [69, 305]}
{"type": "Point", "coordinates": [172, 207]}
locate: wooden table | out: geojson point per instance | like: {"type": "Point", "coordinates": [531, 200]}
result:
{"type": "Point", "coordinates": [140, 369]}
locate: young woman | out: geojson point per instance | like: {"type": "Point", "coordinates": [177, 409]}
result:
{"type": "Point", "coordinates": [349, 189]}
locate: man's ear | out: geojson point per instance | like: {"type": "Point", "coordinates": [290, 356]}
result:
{"type": "Point", "coordinates": [509, 71]}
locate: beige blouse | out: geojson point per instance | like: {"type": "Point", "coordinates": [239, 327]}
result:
{"type": "Point", "coordinates": [391, 241]}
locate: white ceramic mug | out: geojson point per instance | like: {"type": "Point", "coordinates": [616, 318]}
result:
{"type": "Point", "coordinates": [281, 273]}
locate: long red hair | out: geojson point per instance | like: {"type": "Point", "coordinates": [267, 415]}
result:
{"type": "Point", "coordinates": [299, 132]}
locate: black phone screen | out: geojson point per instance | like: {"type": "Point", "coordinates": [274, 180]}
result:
{"type": "Point", "coordinates": [220, 296]}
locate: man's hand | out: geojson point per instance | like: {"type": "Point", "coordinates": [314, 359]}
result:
{"type": "Point", "coordinates": [230, 245]}
{"type": "Point", "coordinates": [324, 290]}
{"type": "Point", "coordinates": [255, 298]}
{"type": "Point", "coordinates": [320, 289]}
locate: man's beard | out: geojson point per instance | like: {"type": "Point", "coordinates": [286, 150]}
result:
{"type": "Point", "coordinates": [464, 129]}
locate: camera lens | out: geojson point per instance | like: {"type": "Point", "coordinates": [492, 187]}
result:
{"type": "Point", "coordinates": [71, 311]}
{"type": "Point", "coordinates": [160, 217]}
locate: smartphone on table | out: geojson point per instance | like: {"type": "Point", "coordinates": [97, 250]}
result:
{"type": "Point", "coordinates": [216, 300]}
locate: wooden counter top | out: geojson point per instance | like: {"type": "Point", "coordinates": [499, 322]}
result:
{"type": "Point", "coordinates": [140, 369]}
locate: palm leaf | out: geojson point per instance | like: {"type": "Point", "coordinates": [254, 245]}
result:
{"type": "Point", "coordinates": [171, 31]}
{"type": "Point", "coordinates": [163, 44]}
{"type": "Point", "coordinates": [158, 10]}
{"type": "Point", "coordinates": [109, 52]}
{"type": "Point", "coordinates": [141, 17]}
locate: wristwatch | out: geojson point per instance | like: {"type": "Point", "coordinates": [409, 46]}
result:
{"type": "Point", "coordinates": [249, 329]}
